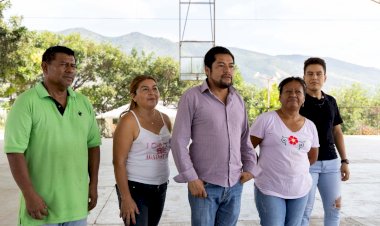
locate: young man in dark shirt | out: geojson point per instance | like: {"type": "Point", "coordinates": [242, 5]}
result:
{"type": "Point", "coordinates": [328, 171]}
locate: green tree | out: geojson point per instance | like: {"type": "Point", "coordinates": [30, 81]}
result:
{"type": "Point", "coordinates": [113, 76]}
{"type": "Point", "coordinates": [255, 98]}
{"type": "Point", "coordinates": [375, 103]}
{"type": "Point", "coordinates": [16, 58]}
{"type": "Point", "coordinates": [100, 74]}
{"type": "Point", "coordinates": [375, 100]}
{"type": "Point", "coordinates": [166, 71]}
{"type": "Point", "coordinates": [353, 102]}
{"type": "Point", "coordinates": [113, 90]}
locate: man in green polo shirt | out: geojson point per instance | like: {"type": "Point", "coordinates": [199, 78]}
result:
{"type": "Point", "coordinates": [52, 144]}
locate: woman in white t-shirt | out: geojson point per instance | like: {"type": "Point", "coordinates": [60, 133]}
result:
{"type": "Point", "coordinates": [288, 145]}
{"type": "Point", "coordinates": [141, 146]}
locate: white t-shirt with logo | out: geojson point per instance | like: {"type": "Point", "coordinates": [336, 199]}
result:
{"type": "Point", "coordinates": [283, 156]}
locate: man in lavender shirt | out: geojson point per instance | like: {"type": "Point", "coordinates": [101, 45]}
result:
{"type": "Point", "coordinates": [220, 157]}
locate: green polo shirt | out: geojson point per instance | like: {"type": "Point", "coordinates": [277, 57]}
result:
{"type": "Point", "coordinates": [56, 151]}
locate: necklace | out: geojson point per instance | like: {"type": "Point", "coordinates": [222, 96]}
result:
{"type": "Point", "coordinates": [146, 118]}
{"type": "Point", "coordinates": [154, 117]}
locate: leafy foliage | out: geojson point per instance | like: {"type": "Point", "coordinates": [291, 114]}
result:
{"type": "Point", "coordinates": [359, 117]}
{"type": "Point", "coordinates": [105, 72]}
{"type": "Point", "coordinates": [255, 98]}
{"type": "Point", "coordinates": [14, 42]}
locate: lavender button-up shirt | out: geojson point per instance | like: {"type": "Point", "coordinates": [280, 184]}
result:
{"type": "Point", "coordinates": [220, 147]}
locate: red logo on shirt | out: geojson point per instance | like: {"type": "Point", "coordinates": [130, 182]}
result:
{"type": "Point", "coordinates": [293, 140]}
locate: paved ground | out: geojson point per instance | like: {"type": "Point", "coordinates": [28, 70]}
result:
{"type": "Point", "coordinates": [361, 199]}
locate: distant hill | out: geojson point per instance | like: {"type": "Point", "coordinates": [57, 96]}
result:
{"type": "Point", "coordinates": [339, 73]}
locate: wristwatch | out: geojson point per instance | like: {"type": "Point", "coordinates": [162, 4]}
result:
{"type": "Point", "coordinates": [345, 161]}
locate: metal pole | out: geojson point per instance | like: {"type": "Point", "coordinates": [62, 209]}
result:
{"type": "Point", "coordinates": [213, 21]}
{"type": "Point", "coordinates": [268, 95]}
{"type": "Point", "coordinates": [180, 39]}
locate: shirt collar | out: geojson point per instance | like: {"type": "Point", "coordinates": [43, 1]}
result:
{"type": "Point", "coordinates": [42, 91]}
{"type": "Point", "coordinates": [311, 97]}
{"type": "Point", "coordinates": [204, 86]}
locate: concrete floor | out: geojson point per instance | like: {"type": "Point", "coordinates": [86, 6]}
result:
{"type": "Point", "coordinates": [361, 201]}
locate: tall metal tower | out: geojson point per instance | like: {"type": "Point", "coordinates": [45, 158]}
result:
{"type": "Point", "coordinates": [196, 36]}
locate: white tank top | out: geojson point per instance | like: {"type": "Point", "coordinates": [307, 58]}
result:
{"type": "Point", "coordinates": [148, 158]}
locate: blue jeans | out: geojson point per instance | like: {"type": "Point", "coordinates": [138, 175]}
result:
{"type": "Point", "coordinates": [82, 222]}
{"type": "Point", "coordinates": [150, 200]}
{"type": "Point", "coordinates": [276, 211]}
{"type": "Point", "coordinates": [220, 207]}
{"type": "Point", "coordinates": [326, 176]}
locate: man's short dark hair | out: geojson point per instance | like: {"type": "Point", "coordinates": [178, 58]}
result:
{"type": "Point", "coordinates": [49, 54]}
{"type": "Point", "coordinates": [210, 55]}
{"type": "Point", "coordinates": [314, 60]}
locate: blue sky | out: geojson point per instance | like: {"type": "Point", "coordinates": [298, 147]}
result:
{"type": "Point", "coordinates": [348, 30]}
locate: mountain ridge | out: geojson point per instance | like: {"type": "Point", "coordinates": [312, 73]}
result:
{"type": "Point", "coordinates": [339, 72]}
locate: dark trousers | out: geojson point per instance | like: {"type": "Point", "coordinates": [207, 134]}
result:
{"type": "Point", "coordinates": [150, 200]}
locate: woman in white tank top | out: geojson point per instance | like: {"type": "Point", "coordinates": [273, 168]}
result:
{"type": "Point", "coordinates": [141, 145]}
